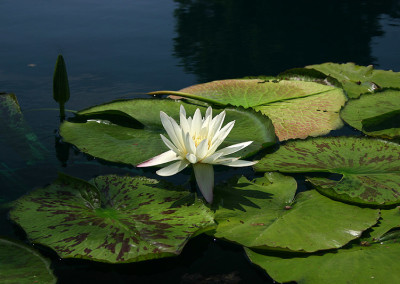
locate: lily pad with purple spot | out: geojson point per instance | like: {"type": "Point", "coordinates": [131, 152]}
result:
{"type": "Point", "coordinates": [111, 218]}
{"type": "Point", "coordinates": [370, 168]}
{"type": "Point", "coordinates": [266, 214]}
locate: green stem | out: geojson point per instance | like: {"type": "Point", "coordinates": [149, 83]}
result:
{"type": "Point", "coordinates": [186, 95]}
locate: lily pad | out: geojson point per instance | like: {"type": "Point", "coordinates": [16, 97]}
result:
{"type": "Point", "coordinates": [133, 136]}
{"type": "Point", "coordinates": [358, 263]}
{"type": "Point", "coordinates": [270, 217]}
{"type": "Point", "coordinates": [111, 219]}
{"type": "Point", "coordinates": [297, 108]}
{"type": "Point", "coordinates": [390, 219]}
{"type": "Point", "coordinates": [21, 264]}
{"type": "Point", "coordinates": [375, 114]}
{"type": "Point", "coordinates": [357, 80]}
{"type": "Point", "coordinates": [370, 167]}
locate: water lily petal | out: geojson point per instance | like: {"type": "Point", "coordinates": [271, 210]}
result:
{"type": "Point", "coordinates": [189, 144]}
{"type": "Point", "coordinates": [178, 133]}
{"type": "Point", "coordinates": [202, 149]}
{"type": "Point", "coordinates": [222, 134]}
{"type": "Point", "coordinates": [216, 124]}
{"type": "Point", "coordinates": [191, 158]}
{"type": "Point", "coordinates": [197, 121]}
{"type": "Point", "coordinates": [166, 122]}
{"type": "Point", "coordinates": [170, 145]}
{"type": "Point", "coordinates": [205, 180]}
{"type": "Point", "coordinates": [184, 122]}
{"type": "Point", "coordinates": [234, 148]}
{"type": "Point", "coordinates": [212, 158]}
{"type": "Point", "coordinates": [160, 159]}
{"type": "Point", "coordinates": [173, 169]}
{"type": "Point", "coordinates": [208, 113]}
{"type": "Point", "coordinates": [240, 163]}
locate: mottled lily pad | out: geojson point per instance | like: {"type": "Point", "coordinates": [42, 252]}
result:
{"type": "Point", "coordinates": [265, 214]}
{"type": "Point", "coordinates": [111, 218]}
{"type": "Point", "coordinates": [370, 167]}
{"type": "Point", "coordinates": [23, 265]}
{"type": "Point", "coordinates": [375, 114]}
{"type": "Point", "coordinates": [129, 131]}
{"type": "Point", "coordinates": [357, 80]}
{"type": "Point", "coordinates": [363, 262]}
{"type": "Point", "coordinates": [298, 109]}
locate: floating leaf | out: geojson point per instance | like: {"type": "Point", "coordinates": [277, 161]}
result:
{"type": "Point", "coordinates": [297, 109]}
{"type": "Point", "coordinates": [370, 168]}
{"type": "Point", "coordinates": [264, 214]}
{"type": "Point", "coordinates": [367, 263]}
{"type": "Point", "coordinates": [378, 112]}
{"type": "Point", "coordinates": [357, 80]}
{"type": "Point", "coordinates": [23, 265]}
{"type": "Point", "coordinates": [390, 219]}
{"type": "Point", "coordinates": [133, 221]}
{"type": "Point", "coordinates": [135, 135]}
{"type": "Point", "coordinates": [388, 121]}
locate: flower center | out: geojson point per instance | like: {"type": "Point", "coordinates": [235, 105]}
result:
{"type": "Point", "coordinates": [198, 139]}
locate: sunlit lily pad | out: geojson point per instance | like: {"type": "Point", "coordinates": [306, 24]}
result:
{"type": "Point", "coordinates": [357, 80]}
{"type": "Point", "coordinates": [370, 167]}
{"type": "Point", "coordinates": [297, 109]}
{"type": "Point", "coordinates": [357, 263]}
{"type": "Point", "coordinates": [265, 214]}
{"type": "Point", "coordinates": [23, 265]}
{"type": "Point", "coordinates": [375, 114]}
{"type": "Point", "coordinates": [111, 219]}
{"type": "Point", "coordinates": [390, 219]}
{"type": "Point", "coordinates": [135, 134]}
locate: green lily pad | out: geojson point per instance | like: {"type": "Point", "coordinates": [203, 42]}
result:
{"type": "Point", "coordinates": [370, 167]}
{"type": "Point", "coordinates": [375, 114]}
{"type": "Point", "coordinates": [270, 217]}
{"type": "Point", "coordinates": [134, 135]}
{"type": "Point", "coordinates": [111, 218]}
{"type": "Point", "coordinates": [390, 219]}
{"type": "Point", "coordinates": [358, 263]}
{"type": "Point", "coordinates": [357, 80]}
{"type": "Point", "coordinates": [21, 264]}
{"type": "Point", "coordinates": [298, 109]}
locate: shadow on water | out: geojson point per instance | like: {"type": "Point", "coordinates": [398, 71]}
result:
{"type": "Point", "coordinates": [222, 39]}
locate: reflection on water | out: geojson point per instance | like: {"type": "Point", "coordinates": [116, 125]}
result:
{"type": "Point", "coordinates": [221, 39]}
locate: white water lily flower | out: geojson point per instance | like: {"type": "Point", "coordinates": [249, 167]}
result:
{"type": "Point", "coordinates": [195, 141]}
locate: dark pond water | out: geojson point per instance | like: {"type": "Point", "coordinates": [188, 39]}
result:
{"type": "Point", "coordinates": [123, 49]}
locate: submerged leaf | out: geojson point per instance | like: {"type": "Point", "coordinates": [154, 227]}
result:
{"type": "Point", "coordinates": [23, 265]}
{"type": "Point", "coordinates": [16, 133]}
{"type": "Point", "coordinates": [133, 223]}
{"type": "Point", "coordinates": [370, 168]}
{"type": "Point", "coordinates": [297, 108]}
{"type": "Point", "coordinates": [264, 214]}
